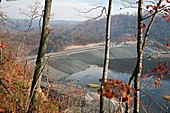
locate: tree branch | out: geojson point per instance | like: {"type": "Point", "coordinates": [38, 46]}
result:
{"type": "Point", "coordinates": [31, 95]}
{"type": "Point", "coordinates": [94, 8]}
{"type": "Point", "coordinates": [9, 92]}
{"type": "Point", "coordinates": [150, 25]}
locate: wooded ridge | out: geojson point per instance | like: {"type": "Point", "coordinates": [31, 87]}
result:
{"type": "Point", "coordinates": [123, 28]}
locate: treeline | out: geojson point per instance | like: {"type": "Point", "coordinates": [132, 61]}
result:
{"type": "Point", "coordinates": [123, 28]}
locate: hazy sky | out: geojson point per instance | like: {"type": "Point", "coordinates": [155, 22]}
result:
{"type": "Point", "coordinates": [62, 9]}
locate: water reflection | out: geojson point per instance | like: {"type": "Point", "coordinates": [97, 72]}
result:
{"type": "Point", "coordinates": [94, 73]}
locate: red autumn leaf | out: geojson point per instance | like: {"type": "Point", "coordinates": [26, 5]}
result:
{"type": "Point", "coordinates": [143, 26]}
{"type": "Point", "coordinates": [166, 71]}
{"type": "Point", "coordinates": [164, 16]}
{"type": "Point", "coordinates": [124, 99]}
{"type": "Point", "coordinates": [159, 7]}
{"type": "Point", "coordinates": [103, 94]}
{"type": "Point", "coordinates": [166, 10]}
{"type": "Point", "coordinates": [133, 89]}
{"type": "Point", "coordinates": [154, 7]}
{"type": "Point", "coordinates": [147, 6]}
{"type": "Point", "coordinates": [116, 94]}
{"type": "Point", "coordinates": [130, 100]}
{"type": "Point", "coordinates": [109, 95]}
{"type": "Point", "coordinates": [143, 67]}
{"type": "Point", "coordinates": [160, 71]}
{"type": "Point", "coordinates": [145, 76]}
{"type": "Point", "coordinates": [168, 19]}
{"type": "Point", "coordinates": [101, 80]}
{"type": "Point", "coordinates": [168, 45]}
{"type": "Point", "coordinates": [154, 70]}
{"type": "Point", "coordinates": [165, 64]}
{"type": "Point", "coordinates": [99, 91]}
{"type": "Point", "coordinates": [3, 46]}
{"type": "Point", "coordinates": [159, 65]}
{"type": "Point", "coordinates": [168, 1]}
{"type": "Point", "coordinates": [162, 76]}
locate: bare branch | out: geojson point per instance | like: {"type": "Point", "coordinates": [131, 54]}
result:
{"type": "Point", "coordinates": [9, 92]}
{"type": "Point", "coordinates": [128, 3]}
{"type": "Point", "coordinates": [103, 10]}
{"type": "Point", "coordinates": [150, 25]}
{"type": "Point", "coordinates": [97, 7]}
{"type": "Point", "coordinates": [9, 0]}
{"type": "Point", "coordinates": [157, 103]}
{"type": "Point", "coordinates": [32, 15]}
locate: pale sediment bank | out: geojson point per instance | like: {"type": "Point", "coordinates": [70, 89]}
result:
{"type": "Point", "coordinates": [61, 67]}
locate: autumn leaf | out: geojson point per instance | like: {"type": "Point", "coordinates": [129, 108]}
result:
{"type": "Point", "coordinates": [164, 16]}
{"type": "Point", "coordinates": [159, 7]}
{"type": "Point", "coordinates": [162, 76]}
{"type": "Point", "coordinates": [143, 26]}
{"type": "Point", "coordinates": [143, 66]}
{"type": "Point", "coordinates": [165, 64]}
{"type": "Point", "coordinates": [130, 100]}
{"type": "Point", "coordinates": [145, 76]}
{"type": "Point", "coordinates": [124, 99]}
{"type": "Point", "coordinates": [50, 86]}
{"type": "Point", "coordinates": [168, 19]}
{"type": "Point", "coordinates": [160, 71]}
{"type": "Point", "coordinates": [159, 65]}
{"type": "Point", "coordinates": [154, 70]}
{"type": "Point", "coordinates": [3, 46]}
{"type": "Point", "coordinates": [166, 10]}
{"type": "Point", "coordinates": [134, 90]}
{"type": "Point", "coordinates": [147, 6]}
{"type": "Point", "coordinates": [101, 80]}
{"type": "Point", "coordinates": [166, 71]}
{"type": "Point", "coordinates": [109, 95]}
{"type": "Point", "coordinates": [100, 91]}
{"type": "Point", "coordinates": [154, 7]}
{"type": "Point", "coordinates": [168, 1]}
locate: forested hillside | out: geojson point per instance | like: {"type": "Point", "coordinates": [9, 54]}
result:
{"type": "Point", "coordinates": [123, 28]}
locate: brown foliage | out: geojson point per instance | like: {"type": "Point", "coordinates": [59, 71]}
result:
{"type": "Point", "coordinates": [116, 89]}
{"type": "Point", "coordinates": [15, 82]}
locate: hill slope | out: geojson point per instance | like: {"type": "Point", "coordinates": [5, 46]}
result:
{"type": "Point", "coordinates": [123, 28]}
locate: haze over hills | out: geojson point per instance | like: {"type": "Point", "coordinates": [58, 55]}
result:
{"type": "Point", "coordinates": [66, 33]}
{"type": "Point", "coordinates": [23, 23]}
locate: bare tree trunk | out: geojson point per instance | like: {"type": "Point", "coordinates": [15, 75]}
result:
{"type": "Point", "coordinates": [138, 69]}
{"type": "Point", "coordinates": [106, 60]}
{"type": "Point", "coordinates": [141, 43]}
{"type": "Point", "coordinates": [41, 56]}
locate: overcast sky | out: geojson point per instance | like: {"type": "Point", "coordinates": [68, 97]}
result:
{"type": "Point", "coordinates": [62, 9]}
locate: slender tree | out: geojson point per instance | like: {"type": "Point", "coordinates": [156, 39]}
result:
{"type": "Point", "coordinates": [41, 56]}
{"type": "Point", "coordinates": [106, 59]}
{"type": "Point", "coordinates": [138, 68]}
{"type": "Point", "coordinates": [141, 43]}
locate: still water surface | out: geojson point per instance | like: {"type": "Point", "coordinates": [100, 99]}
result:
{"type": "Point", "coordinates": [94, 73]}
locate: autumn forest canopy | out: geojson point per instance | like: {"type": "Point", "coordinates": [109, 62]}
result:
{"type": "Point", "coordinates": [67, 33]}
